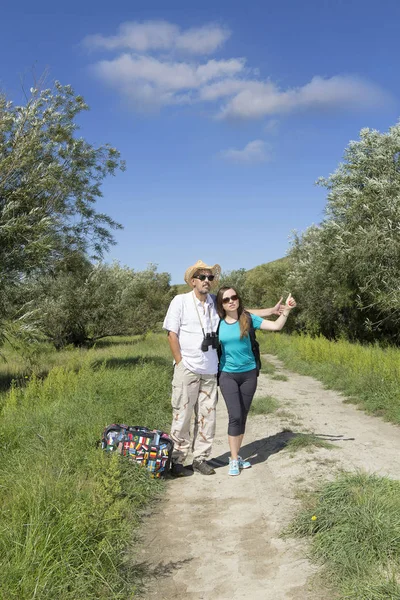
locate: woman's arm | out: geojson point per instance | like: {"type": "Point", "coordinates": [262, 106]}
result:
{"type": "Point", "coordinates": [279, 323]}
{"type": "Point", "coordinates": [268, 312]}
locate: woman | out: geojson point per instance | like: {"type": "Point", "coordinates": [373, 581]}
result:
{"type": "Point", "coordinates": [238, 370]}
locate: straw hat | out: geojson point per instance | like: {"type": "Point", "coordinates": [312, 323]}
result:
{"type": "Point", "coordinates": [201, 266]}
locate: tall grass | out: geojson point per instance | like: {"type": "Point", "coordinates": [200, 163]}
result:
{"type": "Point", "coordinates": [18, 363]}
{"type": "Point", "coordinates": [67, 510]}
{"type": "Point", "coordinates": [368, 374]}
{"type": "Point", "coordinates": [264, 405]}
{"type": "Point", "coordinates": [354, 526]}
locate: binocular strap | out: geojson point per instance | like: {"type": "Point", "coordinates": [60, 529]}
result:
{"type": "Point", "coordinates": [198, 315]}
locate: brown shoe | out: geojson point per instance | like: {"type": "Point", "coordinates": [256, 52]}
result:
{"type": "Point", "coordinates": [202, 466]}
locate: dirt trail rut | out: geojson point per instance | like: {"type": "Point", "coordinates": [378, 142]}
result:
{"type": "Point", "coordinates": [218, 537]}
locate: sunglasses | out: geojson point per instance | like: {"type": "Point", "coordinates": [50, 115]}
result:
{"type": "Point", "coordinates": [204, 277]}
{"type": "Point", "coordinates": [233, 298]}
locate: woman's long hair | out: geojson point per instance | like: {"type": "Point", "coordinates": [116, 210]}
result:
{"type": "Point", "coordinates": [242, 315]}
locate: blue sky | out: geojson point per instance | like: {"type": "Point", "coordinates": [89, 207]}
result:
{"type": "Point", "coordinates": [225, 112]}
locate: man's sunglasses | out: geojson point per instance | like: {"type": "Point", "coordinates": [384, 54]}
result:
{"type": "Point", "coordinates": [204, 277]}
{"type": "Point", "coordinates": [227, 300]}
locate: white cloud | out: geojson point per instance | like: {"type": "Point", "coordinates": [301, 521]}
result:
{"type": "Point", "coordinates": [257, 99]}
{"type": "Point", "coordinates": [346, 91]}
{"type": "Point", "coordinates": [214, 69]}
{"type": "Point", "coordinates": [202, 40]}
{"type": "Point", "coordinates": [221, 89]}
{"type": "Point", "coordinates": [160, 35]}
{"type": "Point", "coordinates": [254, 152]}
{"type": "Point", "coordinates": [149, 71]}
{"type": "Point", "coordinates": [161, 82]}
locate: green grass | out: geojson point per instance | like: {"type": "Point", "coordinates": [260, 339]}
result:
{"type": "Point", "coordinates": [309, 441]}
{"type": "Point", "coordinates": [38, 359]}
{"type": "Point", "coordinates": [280, 377]}
{"type": "Point", "coordinates": [264, 405]}
{"type": "Point", "coordinates": [368, 375]}
{"type": "Point", "coordinates": [267, 368]}
{"type": "Point", "coordinates": [68, 511]}
{"type": "Point", "coordinates": [354, 528]}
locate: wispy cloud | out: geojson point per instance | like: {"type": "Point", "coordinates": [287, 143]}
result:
{"type": "Point", "coordinates": [257, 99]}
{"type": "Point", "coordinates": [156, 65]}
{"type": "Point", "coordinates": [254, 152]}
{"type": "Point", "coordinates": [161, 35]}
{"type": "Point", "coordinates": [272, 126]}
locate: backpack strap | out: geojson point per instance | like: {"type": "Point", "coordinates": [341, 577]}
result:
{"type": "Point", "coordinates": [255, 346]}
{"type": "Point", "coordinates": [219, 349]}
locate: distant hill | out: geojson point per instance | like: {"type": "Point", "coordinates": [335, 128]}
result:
{"type": "Point", "coordinates": [282, 260]}
{"type": "Point", "coordinates": [183, 288]}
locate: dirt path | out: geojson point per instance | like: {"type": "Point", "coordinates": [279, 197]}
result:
{"type": "Point", "coordinates": [217, 538]}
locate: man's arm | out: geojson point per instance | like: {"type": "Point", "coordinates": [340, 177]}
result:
{"type": "Point", "coordinates": [268, 312]}
{"type": "Point", "coordinates": [175, 347]}
{"type": "Point", "coordinates": [172, 323]}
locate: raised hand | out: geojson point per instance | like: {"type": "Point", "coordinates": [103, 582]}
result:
{"type": "Point", "coordinates": [278, 308]}
{"type": "Point", "coordinates": [290, 302]}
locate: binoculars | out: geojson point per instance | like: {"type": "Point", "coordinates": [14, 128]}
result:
{"type": "Point", "coordinates": [211, 339]}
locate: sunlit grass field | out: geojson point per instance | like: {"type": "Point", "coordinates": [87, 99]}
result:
{"type": "Point", "coordinates": [68, 510]}
{"type": "Point", "coordinates": [368, 375]}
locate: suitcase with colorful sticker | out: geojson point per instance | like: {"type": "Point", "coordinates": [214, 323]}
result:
{"type": "Point", "coordinates": [151, 449]}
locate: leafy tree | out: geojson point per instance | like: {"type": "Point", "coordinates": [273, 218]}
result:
{"type": "Point", "coordinates": [237, 279]}
{"type": "Point", "coordinates": [95, 301]}
{"type": "Point", "coordinates": [324, 302]}
{"type": "Point", "coordinates": [347, 270]}
{"type": "Point", "coordinates": [49, 183]}
{"type": "Point", "coordinates": [267, 283]}
{"type": "Point", "coordinates": [146, 300]}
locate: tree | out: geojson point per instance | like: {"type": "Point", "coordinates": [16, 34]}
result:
{"type": "Point", "coordinates": [351, 262]}
{"type": "Point", "coordinates": [49, 183]}
{"type": "Point", "coordinates": [91, 302]}
{"type": "Point", "coordinates": [267, 283]}
{"type": "Point", "coordinates": [237, 279]}
{"type": "Point", "coordinates": [146, 299]}
{"type": "Point", "coordinates": [315, 278]}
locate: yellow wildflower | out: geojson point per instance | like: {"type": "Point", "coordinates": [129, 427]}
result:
{"type": "Point", "coordinates": [313, 518]}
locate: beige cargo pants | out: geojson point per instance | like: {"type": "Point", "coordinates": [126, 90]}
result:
{"type": "Point", "coordinates": [193, 393]}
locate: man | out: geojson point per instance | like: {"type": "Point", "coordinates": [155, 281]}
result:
{"type": "Point", "coordinates": [192, 322]}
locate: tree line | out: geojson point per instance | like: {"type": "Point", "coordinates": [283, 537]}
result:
{"type": "Point", "coordinates": [54, 286]}
{"type": "Point", "coordinates": [345, 272]}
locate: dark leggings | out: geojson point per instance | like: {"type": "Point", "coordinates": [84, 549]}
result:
{"type": "Point", "coordinates": [238, 390]}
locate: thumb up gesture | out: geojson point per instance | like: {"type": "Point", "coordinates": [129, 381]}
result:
{"type": "Point", "coordinates": [290, 302]}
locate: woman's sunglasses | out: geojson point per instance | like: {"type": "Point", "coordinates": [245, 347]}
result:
{"type": "Point", "coordinates": [204, 277]}
{"type": "Point", "coordinates": [227, 300]}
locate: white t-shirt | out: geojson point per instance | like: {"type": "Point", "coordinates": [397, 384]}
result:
{"type": "Point", "coordinates": [183, 319]}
